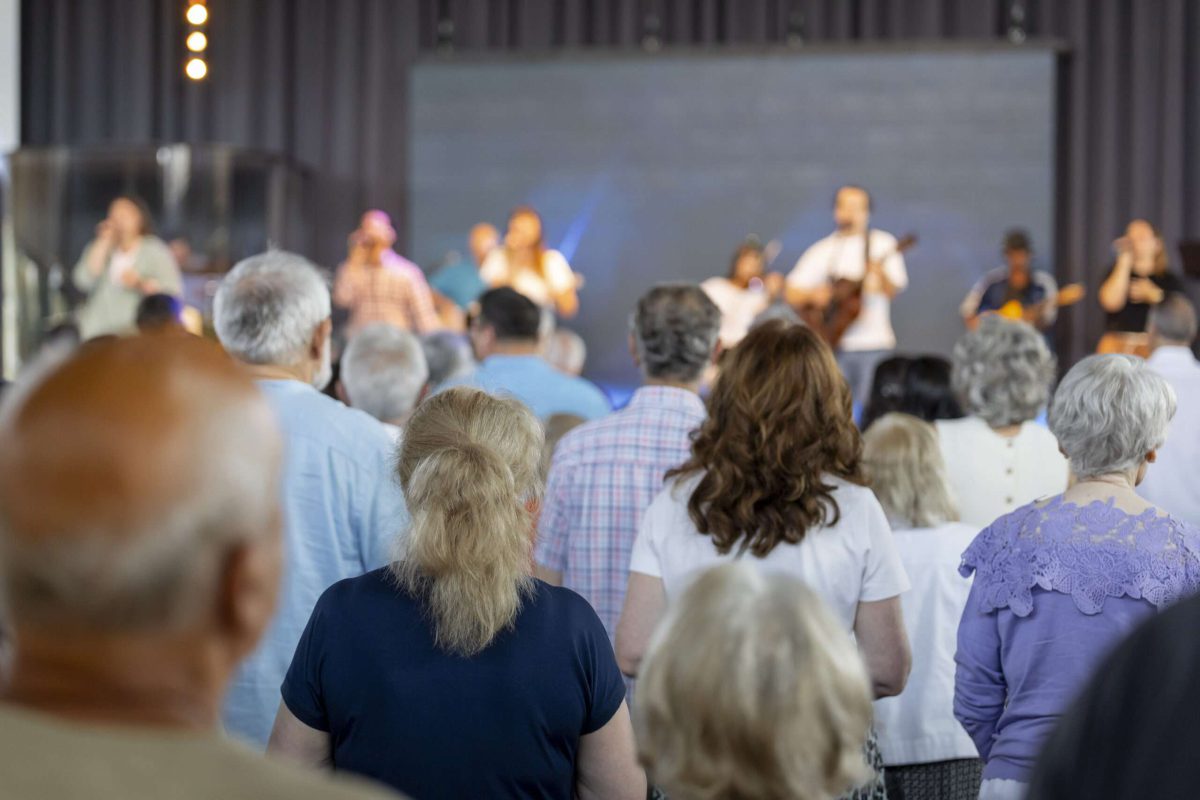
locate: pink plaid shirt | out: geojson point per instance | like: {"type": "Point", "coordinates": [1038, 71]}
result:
{"type": "Point", "coordinates": [394, 292]}
{"type": "Point", "coordinates": [602, 479]}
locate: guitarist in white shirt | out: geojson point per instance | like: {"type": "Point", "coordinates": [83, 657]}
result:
{"type": "Point", "coordinates": [853, 252]}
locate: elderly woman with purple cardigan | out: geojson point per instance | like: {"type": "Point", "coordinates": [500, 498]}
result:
{"type": "Point", "coordinates": [1060, 581]}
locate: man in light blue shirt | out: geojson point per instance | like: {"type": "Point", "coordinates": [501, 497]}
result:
{"type": "Point", "coordinates": [506, 338]}
{"type": "Point", "coordinates": [343, 510]}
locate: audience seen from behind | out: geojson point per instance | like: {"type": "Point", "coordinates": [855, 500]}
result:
{"type": "Point", "coordinates": [1059, 582]}
{"type": "Point", "coordinates": [927, 752]}
{"type": "Point", "coordinates": [140, 556]}
{"type": "Point", "coordinates": [751, 689]}
{"type": "Point", "coordinates": [447, 355]}
{"type": "Point", "coordinates": [342, 507]}
{"type": "Point", "coordinates": [566, 351]}
{"type": "Point", "coordinates": [918, 386]}
{"type": "Point", "coordinates": [506, 336]}
{"type": "Point", "coordinates": [775, 478]}
{"type": "Point", "coordinates": [1172, 484]}
{"type": "Point", "coordinates": [1133, 733]}
{"type": "Point", "coordinates": [605, 474]}
{"type": "Point", "coordinates": [121, 265]}
{"type": "Point", "coordinates": [997, 457]}
{"type": "Point", "coordinates": [454, 672]}
{"type": "Point", "coordinates": [384, 374]}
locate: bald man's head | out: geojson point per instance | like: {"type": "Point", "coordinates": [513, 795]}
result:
{"type": "Point", "coordinates": [128, 475]}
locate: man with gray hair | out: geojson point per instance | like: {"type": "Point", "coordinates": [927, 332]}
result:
{"type": "Point", "coordinates": [1170, 482]}
{"type": "Point", "coordinates": [342, 508]}
{"type": "Point", "coordinates": [384, 374]}
{"type": "Point", "coordinates": [605, 474]}
{"type": "Point", "coordinates": [140, 556]}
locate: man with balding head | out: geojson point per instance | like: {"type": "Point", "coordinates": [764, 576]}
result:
{"type": "Point", "coordinates": [140, 559]}
{"type": "Point", "coordinates": [342, 509]}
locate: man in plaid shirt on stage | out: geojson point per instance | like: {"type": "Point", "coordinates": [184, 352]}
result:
{"type": "Point", "coordinates": [377, 284]}
{"type": "Point", "coordinates": [605, 473]}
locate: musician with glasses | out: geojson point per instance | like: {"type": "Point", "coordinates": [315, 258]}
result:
{"type": "Point", "coordinates": [844, 285]}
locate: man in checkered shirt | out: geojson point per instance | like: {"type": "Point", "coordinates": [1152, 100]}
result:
{"type": "Point", "coordinates": [605, 473]}
{"type": "Point", "coordinates": [377, 284]}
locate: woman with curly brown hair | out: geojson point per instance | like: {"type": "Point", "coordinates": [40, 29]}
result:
{"type": "Point", "coordinates": [775, 473]}
{"type": "Point", "coordinates": [775, 479]}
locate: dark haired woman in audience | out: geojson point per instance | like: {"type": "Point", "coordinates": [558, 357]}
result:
{"type": "Point", "coordinates": [887, 389]}
{"type": "Point", "coordinates": [775, 479]}
{"type": "Point", "coordinates": [523, 262]}
{"type": "Point", "coordinates": [918, 386]}
{"type": "Point", "coordinates": [1059, 582]}
{"type": "Point", "coordinates": [454, 673]}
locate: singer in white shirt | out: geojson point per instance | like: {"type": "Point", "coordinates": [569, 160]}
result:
{"type": "Point", "coordinates": [844, 254]}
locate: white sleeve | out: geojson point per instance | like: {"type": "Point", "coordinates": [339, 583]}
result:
{"type": "Point", "coordinates": [495, 268]}
{"type": "Point", "coordinates": [559, 277]}
{"type": "Point", "coordinates": [812, 270]}
{"type": "Point", "coordinates": [1050, 309]}
{"type": "Point", "coordinates": [883, 574]}
{"type": "Point", "coordinates": [645, 558]}
{"type": "Point", "coordinates": [893, 268]}
{"type": "Point", "coordinates": [970, 304]}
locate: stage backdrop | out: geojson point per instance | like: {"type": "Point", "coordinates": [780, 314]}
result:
{"type": "Point", "coordinates": [650, 169]}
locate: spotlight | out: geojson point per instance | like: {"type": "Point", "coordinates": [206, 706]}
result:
{"type": "Point", "coordinates": [196, 69]}
{"type": "Point", "coordinates": [197, 41]}
{"type": "Point", "coordinates": [197, 14]}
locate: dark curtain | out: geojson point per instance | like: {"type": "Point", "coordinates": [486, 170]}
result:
{"type": "Point", "coordinates": [325, 82]}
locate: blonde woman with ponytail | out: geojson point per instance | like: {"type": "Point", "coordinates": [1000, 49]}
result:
{"type": "Point", "coordinates": [453, 672]}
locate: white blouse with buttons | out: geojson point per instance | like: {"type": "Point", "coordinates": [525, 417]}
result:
{"type": "Point", "coordinates": [992, 475]}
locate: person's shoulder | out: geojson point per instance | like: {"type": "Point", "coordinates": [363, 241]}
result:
{"type": "Point", "coordinates": [351, 592]}
{"type": "Point", "coordinates": [882, 238]}
{"type": "Point", "coordinates": [572, 615]}
{"type": "Point", "coordinates": [276, 778]}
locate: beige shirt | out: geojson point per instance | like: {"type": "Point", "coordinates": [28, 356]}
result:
{"type": "Point", "coordinates": [44, 758]}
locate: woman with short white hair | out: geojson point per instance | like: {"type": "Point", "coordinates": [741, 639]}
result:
{"type": "Point", "coordinates": [454, 672]}
{"type": "Point", "coordinates": [750, 688]}
{"type": "Point", "coordinates": [997, 457]}
{"type": "Point", "coordinates": [926, 753]}
{"type": "Point", "coordinates": [1059, 582]}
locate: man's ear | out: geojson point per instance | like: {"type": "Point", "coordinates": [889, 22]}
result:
{"type": "Point", "coordinates": [633, 351]}
{"type": "Point", "coordinates": [249, 584]}
{"type": "Point", "coordinates": [316, 346]}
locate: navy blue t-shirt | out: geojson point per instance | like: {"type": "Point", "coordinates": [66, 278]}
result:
{"type": "Point", "coordinates": [503, 723]}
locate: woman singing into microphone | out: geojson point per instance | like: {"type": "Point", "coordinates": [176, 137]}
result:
{"type": "Point", "coordinates": [524, 263]}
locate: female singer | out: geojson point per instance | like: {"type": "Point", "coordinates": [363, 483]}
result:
{"type": "Point", "coordinates": [745, 293]}
{"type": "Point", "coordinates": [123, 264]}
{"type": "Point", "coordinates": [1138, 281]}
{"type": "Point", "coordinates": [525, 263]}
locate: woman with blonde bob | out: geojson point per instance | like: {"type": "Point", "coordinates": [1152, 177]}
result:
{"type": "Point", "coordinates": [751, 689]}
{"type": "Point", "coordinates": [453, 672]}
{"type": "Point", "coordinates": [925, 750]}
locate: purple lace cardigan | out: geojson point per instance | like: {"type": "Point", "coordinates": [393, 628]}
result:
{"type": "Point", "coordinates": [1056, 586]}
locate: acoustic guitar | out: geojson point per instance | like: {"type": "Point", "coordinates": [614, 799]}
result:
{"type": "Point", "coordinates": [845, 305]}
{"type": "Point", "coordinates": [1068, 295]}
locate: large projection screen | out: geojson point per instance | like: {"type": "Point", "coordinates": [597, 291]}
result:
{"type": "Point", "coordinates": [653, 168]}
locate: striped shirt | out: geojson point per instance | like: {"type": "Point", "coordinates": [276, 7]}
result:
{"type": "Point", "coordinates": [394, 292]}
{"type": "Point", "coordinates": [603, 477]}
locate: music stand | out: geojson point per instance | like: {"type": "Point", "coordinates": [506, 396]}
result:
{"type": "Point", "coordinates": [1189, 255]}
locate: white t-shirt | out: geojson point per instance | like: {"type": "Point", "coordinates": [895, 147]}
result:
{"type": "Point", "coordinates": [837, 256]}
{"type": "Point", "coordinates": [992, 475]}
{"type": "Point", "coordinates": [852, 562]}
{"type": "Point", "coordinates": [918, 726]}
{"type": "Point", "coordinates": [559, 277]}
{"type": "Point", "coordinates": [738, 307]}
